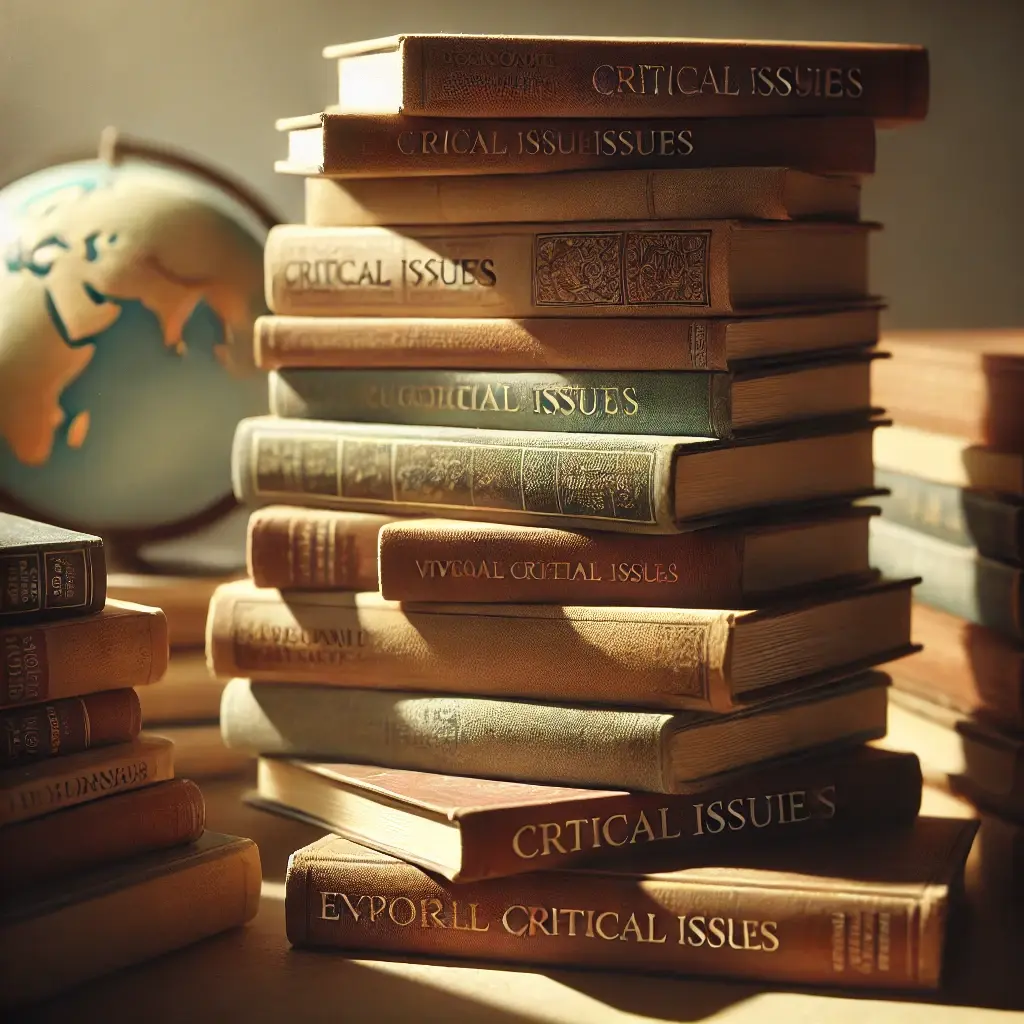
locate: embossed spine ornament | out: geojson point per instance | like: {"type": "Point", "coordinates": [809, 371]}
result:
{"type": "Point", "coordinates": [635, 269]}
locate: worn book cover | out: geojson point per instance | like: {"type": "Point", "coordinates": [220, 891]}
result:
{"type": "Point", "coordinates": [872, 911]}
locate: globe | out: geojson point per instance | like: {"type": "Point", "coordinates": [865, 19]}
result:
{"type": "Point", "coordinates": [128, 291]}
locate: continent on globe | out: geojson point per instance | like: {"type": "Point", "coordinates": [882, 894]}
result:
{"type": "Point", "coordinates": [128, 293]}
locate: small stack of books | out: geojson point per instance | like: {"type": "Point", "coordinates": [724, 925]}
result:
{"type": "Point", "coordinates": [954, 464]}
{"type": "Point", "coordinates": [185, 707]}
{"type": "Point", "coordinates": [624, 354]}
{"type": "Point", "coordinates": [104, 851]}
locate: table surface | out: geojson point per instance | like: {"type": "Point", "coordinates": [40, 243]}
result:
{"type": "Point", "coordinates": [252, 975]}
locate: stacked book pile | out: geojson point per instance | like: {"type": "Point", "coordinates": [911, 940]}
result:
{"type": "Point", "coordinates": [954, 464]}
{"type": "Point", "coordinates": [104, 850]}
{"type": "Point", "coordinates": [559, 592]}
{"type": "Point", "coordinates": [185, 707]}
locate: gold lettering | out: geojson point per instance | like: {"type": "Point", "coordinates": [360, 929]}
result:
{"type": "Point", "coordinates": [642, 825]}
{"type": "Point", "coordinates": [606, 830]}
{"type": "Point", "coordinates": [432, 915]}
{"type": "Point", "coordinates": [328, 912]}
{"type": "Point", "coordinates": [631, 926]}
{"type": "Point", "coordinates": [516, 845]}
{"type": "Point", "coordinates": [597, 924]}
{"type": "Point", "coordinates": [550, 832]}
{"type": "Point", "coordinates": [538, 918]}
{"type": "Point", "coordinates": [412, 910]}
{"type": "Point", "coordinates": [518, 932]}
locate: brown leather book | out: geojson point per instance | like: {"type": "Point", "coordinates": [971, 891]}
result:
{"type": "Point", "coordinates": [68, 726]}
{"type": "Point", "coordinates": [468, 829]}
{"type": "Point", "coordinates": [652, 657]}
{"type": "Point", "coordinates": [593, 76]}
{"type": "Point", "coordinates": [969, 384]}
{"type": "Point", "coordinates": [968, 668]}
{"type": "Point", "coordinates": [106, 831]}
{"type": "Point", "coordinates": [585, 269]}
{"type": "Point", "coordinates": [871, 911]}
{"type": "Point", "coordinates": [389, 145]}
{"type": "Point", "coordinates": [557, 344]}
{"type": "Point", "coordinates": [124, 645]}
{"type": "Point", "coordinates": [313, 549]}
{"type": "Point", "coordinates": [125, 913]}
{"type": "Point", "coordinates": [183, 600]}
{"type": "Point", "coordinates": [30, 791]}
{"type": "Point", "coordinates": [746, 193]}
{"type": "Point", "coordinates": [187, 692]}
{"type": "Point", "coordinates": [446, 560]}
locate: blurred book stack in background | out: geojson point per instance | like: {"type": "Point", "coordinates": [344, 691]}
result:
{"type": "Point", "coordinates": [106, 861]}
{"type": "Point", "coordinates": [954, 463]}
{"type": "Point", "coordinates": [555, 552]}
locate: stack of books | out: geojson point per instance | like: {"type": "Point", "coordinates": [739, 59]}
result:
{"type": "Point", "coordinates": [185, 707]}
{"type": "Point", "coordinates": [954, 464]}
{"type": "Point", "coordinates": [556, 567]}
{"type": "Point", "coordinates": [104, 850]}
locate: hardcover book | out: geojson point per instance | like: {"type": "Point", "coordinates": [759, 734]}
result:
{"type": "Point", "coordinates": [468, 829]}
{"type": "Point", "coordinates": [30, 791]}
{"type": "Point", "coordinates": [744, 193]}
{"type": "Point", "coordinates": [653, 657]}
{"type": "Point", "coordinates": [992, 523]}
{"type": "Point", "coordinates": [561, 744]}
{"type": "Point", "coordinates": [585, 269]}
{"type": "Point", "coordinates": [614, 343]}
{"type": "Point", "coordinates": [124, 645]}
{"type": "Point", "coordinates": [125, 913]}
{"type": "Point", "coordinates": [594, 76]}
{"type": "Point", "coordinates": [954, 579]}
{"type": "Point", "coordinates": [966, 667]}
{"type": "Point", "coordinates": [632, 483]}
{"type": "Point", "coordinates": [104, 831]}
{"type": "Point", "coordinates": [872, 911]}
{"type": "Point", "coordinates": [450, 561]}
{"type": "Point", "coordinates": [387, 145]}
{"type": "Point", "coordinates": [694, 404]}
{"type": "Point", "coordinates": [47, 572]}
{"type": "Point", "coordinates": [969, 384]}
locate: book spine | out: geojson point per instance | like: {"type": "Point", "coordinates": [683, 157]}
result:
{"type": "Point", "coordinates": [744, 193]}
{"type": "Point", "coordinates": [52, 581]}
{"type": "Point", "coordinates": [607, 483]}
{"type": "Point", "coordinates": [492, 344]}
{"type": "Point", "coordinates": [593, 402]}
{"type": "Point", "coordinates": [954, 579]}
{"type": "Point", "coordinates": [75, 656]}
{"type": "Point", "coordinates": [454, 735]}
{"type": "Point", "coordinates": [29, 795]}
{"type": "Point", "coordinates": [676, 664]}
{"type": "Point", "coordinates": [376, 147]}
{"type": "Point", "coordinates": [104, 831]}
{"type": "Point", "coordinates": [462, 562]}
{"type": "Point", "coordinates": [607, 271]}
{"type": "Point", "coordinates": [759, 931]}
{"type": "Point", "coordinates": [473, 77]}
{"type": "Point", "coordinates": [807, 797]}
{"type": "Point", "coordinates": [68, 726]}
{"type": "Point", "coordinates": [313, 549]}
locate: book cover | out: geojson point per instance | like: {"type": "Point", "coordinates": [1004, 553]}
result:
{"type": "Point", "coordinates": [869, 912]}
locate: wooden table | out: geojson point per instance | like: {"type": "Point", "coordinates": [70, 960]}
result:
{"type": "Point", "coordinates": [252, 975]}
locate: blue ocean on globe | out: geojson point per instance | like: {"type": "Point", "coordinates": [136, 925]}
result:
{"type": "Point", "coordinates": [128, 293]}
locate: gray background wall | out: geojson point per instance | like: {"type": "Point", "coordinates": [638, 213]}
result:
{"type": "Point", "coordinates": [212, 75]}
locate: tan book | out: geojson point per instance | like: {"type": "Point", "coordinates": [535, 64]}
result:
{"type": "Point", "coordinates": [105, 831]}
{"type": "Point", "coordinates": [200, 752]}
{"type": "Point", "coordinates": [183, 599]}
{"type": "Point", "coordinates": [947, 459]}
{"type": "Point", "coordinates": [564, 744]}
{"type": "Point", "coordinates": [872, 911]}
{"type": "Point", "coordinates": [652, 657]}
{"type": "Point", "coordinates": [585, 269]}
{"type": "Point", "coordinates": [313, 549]}
{"type": "Point", "coordinates": [592, 76]}
{"type": "Point", "coordinates": [468, 829]}
{"type": "Point", "coordinates": [124, 914]}
{"type": "Point", "coordinates": [557, 344]}
{"type": "Point", "coordinates": [355, 145]}
{"type": "Point", "coordinates": [745, 193]}
{"type": "Point", "coordinates": [123, 645]}
{"type": "Point", "coordinates": [187, 692]}
{"type": "Point", "coordinates": [51, 785]}
{"type": "Point", "coordinates": [437, 560]}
